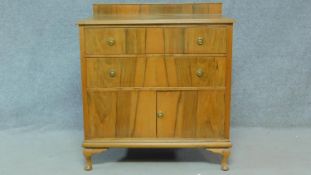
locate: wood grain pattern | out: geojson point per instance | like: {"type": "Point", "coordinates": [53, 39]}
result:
{"type": "Point", "coordinates": [127, 40]}
{"type": "Point", "coordinates": [191, 114]}
{"type": "Point", "coordinates": [128, 72]}
{"type": "Point", "coordinates": [164, 88]}
{"type": "Point", "coordinates": [184, 40]}
{"type": "Point", "coordinates": [182, 70]}
{"type": "Point", "coordinates": [110, 21]}
{"type": "Point", "coordinates": [166, 103]}
{"type": "Point", "coordinates": [135, 40]}
{"type": "Point", "coordinates": [174, 40]}
{"type": "Point", "coordinates": [179, 110]}
{"type": "Point", "coordinates": [140, 60]}
{"type": "Point", "coordinates": [156, 71]}
{"type": "Point", "coordinates": [151, 9]}
{"type": "Point", "coordinates": [115, 9]}
{"type": "Point", "coordinates": [155, 40]}
{"type": "Point", "coordinates": [86, 118]}
{"type": "Point", "coordinates": [158, 40]}
{"type": "Point", "coordinates": [210, 121]}
{"type": "Point", "coordinates": [122, 114]}
{"type": "Point", "coordinates": [157, 143]}
{"type": "Point", "coordinates": [165, 9]}
{"type": "Point", "coordinates": [215, 8]}
{"type": "Point", "coordinates": [215, 40]}
{"type": "Point", "coordinates": [96, 41]}
{"type": "Point", "coordinates": [165, 55]}
{"type": "Point", "coordinates": [228, 82]}
{"type": "Point", "coordinates": [202, 8]}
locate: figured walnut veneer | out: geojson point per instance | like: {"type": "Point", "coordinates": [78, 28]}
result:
{"type": "Point", "coordinates": [156, 76]}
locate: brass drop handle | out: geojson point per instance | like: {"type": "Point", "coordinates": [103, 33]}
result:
{"type": "Point", "coordinates": [200, 41]}
{"type": "Point", "coordinates": [111, 41]}
{"type": "Point", "coordinates": [160, 114]}
{"type": "Point", "coordinates": [112, 73]}
{"type": "Point", "coordinates": [199, 72]}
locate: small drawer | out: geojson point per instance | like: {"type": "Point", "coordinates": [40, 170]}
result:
{"type": "Point", "coordinates": [115, 72]}
{"type": "Point", "coordinates": [110, 41]}
{"type": "Point", "coordinates": [210, 39]}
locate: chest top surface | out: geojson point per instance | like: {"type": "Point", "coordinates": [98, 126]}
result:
{"type": "Point", "coordinates": [189, 13]}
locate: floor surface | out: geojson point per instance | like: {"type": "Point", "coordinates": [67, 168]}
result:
{"type": "Point", "coordinates": [255, 151]}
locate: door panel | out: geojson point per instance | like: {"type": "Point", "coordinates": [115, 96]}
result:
{"type": "Point", "coordinates": [191, 114]}
{"type": "Point", "coordinates": [122, 114]}
{"type": "Point", "coordinates": [179, 108]}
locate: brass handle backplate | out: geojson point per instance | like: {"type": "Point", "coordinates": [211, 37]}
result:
{"type": "Point", "coordinates": [200, 40]}
{"type": "Point", "coordinates": [112, 73]}
{"type": "Point", "coordinates": [160, 114]}
{"type": "Point", "coordinates": [199, 72]}
{"type": "Point", "coordinates": [111, 41]}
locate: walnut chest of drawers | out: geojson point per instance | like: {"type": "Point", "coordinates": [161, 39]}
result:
{"type": "Point", "coordinates": [156, 76]}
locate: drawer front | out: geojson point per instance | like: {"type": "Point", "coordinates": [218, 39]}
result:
{"type": "Point", "coordinates": [126, 72]}
{"type": "Point", "coordinates": [115, 72]}
{"type": "Point", "coordinates": [191, 114]}
{"type": "Point", "coordinates": [185, 71]}
{"type": "Point", "coordinates": [156, 71]}
{"type": "Point", "coordinates": [179, 40]}
{"type": "Point", "coordinates": [106, 41]}
{"type": "Point", "coordinates": [116, 41]}
{"type": "Point", "coordinates": [210, 39]}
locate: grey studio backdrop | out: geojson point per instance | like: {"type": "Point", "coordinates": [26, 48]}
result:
{"type": "Point", "coordinates": [40, 64]}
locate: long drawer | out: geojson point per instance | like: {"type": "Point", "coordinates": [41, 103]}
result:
{"type": "Point", "coordinates": [156, 71]}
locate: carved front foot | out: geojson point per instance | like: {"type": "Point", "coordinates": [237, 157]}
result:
{"type": "Point", "coordinates": [225, 156]}
{"type": "Point", "coordinates": [88, 153]}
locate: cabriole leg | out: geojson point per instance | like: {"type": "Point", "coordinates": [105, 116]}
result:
{"type": "Point", "coordinates": [88, 153]}
{"type": "Point", "coordinates": [225, 153]}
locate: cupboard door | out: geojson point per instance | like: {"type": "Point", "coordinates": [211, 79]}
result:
{"type": "Point", "coordinates": [190, 114]}
{"type": "Point", "coordinates": [121, 114]}
{"type": "Point", "coordinates": [115, 72]}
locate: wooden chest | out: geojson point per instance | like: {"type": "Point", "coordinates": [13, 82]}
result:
{"type": "Point", "coordinates": [156, 76]}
